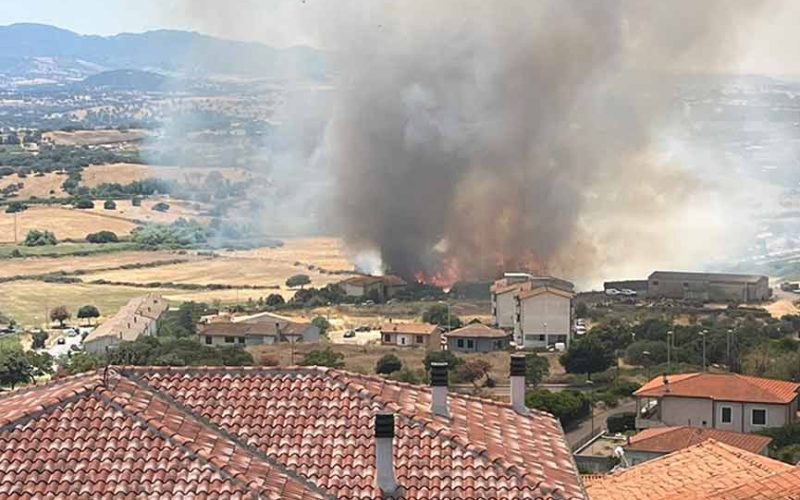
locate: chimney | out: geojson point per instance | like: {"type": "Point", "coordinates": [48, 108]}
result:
{"type": "Point", "coordinates": [384, 453]}
{"type": "Point", "coordinates": [666, 383]}
{"type": "Point", "coordinates": [439, 389]}
{"type": "Point", "coordinates": [518, 383]}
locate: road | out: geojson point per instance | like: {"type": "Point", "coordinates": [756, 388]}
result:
{"type": "Point", "coordinates": [584, 429]}
{"type": "Point", "coordinates": [57, 350]}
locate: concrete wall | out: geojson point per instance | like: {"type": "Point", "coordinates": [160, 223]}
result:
{"type": "Point", "coordinates": [478, 345]}
{"type": "Point", "coordinates": [709, 290]}
{"type": "Point", "coordinates": [638, 457]}
{"type": "Point", "coordinates": [505, 307]}
{"type": "Point", "coordinates": [430, 342]}
{"type": "Point", "coordinates": [695, 411]}
{"type": "Point", "coordinates": [98, 345]}
{"type": "Point", "coordinates": [546, 314]}
{"type": "Point", "coordinates": [218, 340]}
{"type": "Point", "coordinates": [687, 411]}
{"type": "Point", "coordinates": [352, 290]}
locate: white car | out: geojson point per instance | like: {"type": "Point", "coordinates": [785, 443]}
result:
{"type": "Point", "coordinates": [612, 291]}
{"type": "Point", "coordinates": [628, 292]}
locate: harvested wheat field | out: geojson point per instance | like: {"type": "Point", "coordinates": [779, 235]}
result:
{"type": "Point", "coordinates": [234, 271]}
{"type": "Point", "coordinates": [145, 213]}
{"type": "Point", "coordinates": [322, 252]}
{"type": "Point", "coordinates": [45, 265]}
{"type": "Point", "coordinates": [125, 173]}
{"type": "Point", "coordinates": [92, 137]}
{"type": "Point", "coordinates": [34, 186]}
{"type": "Point", "coordinates": [27, 301]}
{"type": "Point", "coordinates": [63, 222]}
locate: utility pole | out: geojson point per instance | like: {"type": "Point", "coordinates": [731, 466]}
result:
{"type": "Point", "coordinates": [670, 333]}
{"type": "Point", "coordinates": [728, 355]}
{"type": "Point", "coordinates": [15, 228]}
{"type": "Point", "coordinates": [703, 334]}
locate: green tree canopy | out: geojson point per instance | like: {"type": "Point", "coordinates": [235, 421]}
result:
{"type": "Point", "coordinates": [322, 323]}
{"type": "Point", "coordinates": [323, 357]}
{"type": "Point", "coordinates": [298, 280]}
{"type": "Point", "coordinates": [110, 205]}
{"type": "Point", "coordinates": [388, 363]}
{"type": "Point", "coordinates": [60, 314]}
{"type": "Point", "coordinates": [102, 237]}
{"type": "Point", "coordinates": [88, 311]}
{"type": "Point", "coordinates": [275, 299]}
{"type": "Point", "coordinates": [537, 368]}
{"type": "Point", "coordinates": [587, 355]}
{"type": "Point", "coordinates": [39, 338]}
{"type": "Point", "coordinates": [448, 357]}
{"type": "Point", "coordinates": [36, 238]}
{"type": "Point", "coordinates": [436, 314]}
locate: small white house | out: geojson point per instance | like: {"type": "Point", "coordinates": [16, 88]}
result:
{"type": "Point", "coordinates": [543, 317]}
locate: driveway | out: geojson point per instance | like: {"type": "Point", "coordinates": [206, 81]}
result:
{"type": "Point", "coordinates": [57, 350]}
{"type": "Point", "coordinates": [584, 429]}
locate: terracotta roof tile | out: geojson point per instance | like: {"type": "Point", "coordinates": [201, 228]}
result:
{"type": "Point", "coordinates": [780, 486]}
{"type": "Point", "coordinates": [478, 330]}
{"type": "Point", "coordinates": [669, 439]}
{"type": "Point", "coordinates": [699, 471]}
{"type": "Point", "coordinates": [722, 387]}
{"type": "Point", "coordinates": [275, 433]}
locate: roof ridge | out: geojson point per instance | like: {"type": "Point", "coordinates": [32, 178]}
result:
{"type": "Point", "coordinates": [439, 429]}
{"type": "Point", "coordinates": [136, 380]}
{"type": "Point", "coordinates": [745, 455]}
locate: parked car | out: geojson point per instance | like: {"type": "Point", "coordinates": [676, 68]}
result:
{"type": "Point", "coordinates": [628, 292]}
{"type": "Point", "coordinates": [364, 329]}
{"type": "Point", "coordinates": [349, 334]}
{"type": "Point", "coordinates": [61, 341]}
{"type": "Point", "coordinates": [612, 291]}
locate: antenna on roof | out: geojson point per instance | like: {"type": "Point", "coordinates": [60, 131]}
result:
{"type": "Point", "coordinates": [109, 349]}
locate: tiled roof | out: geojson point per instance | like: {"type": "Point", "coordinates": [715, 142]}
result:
{"type": "Point", "coordinates": [132, 319]}
{"type": "Point", "coordinates": [545, 289]}
{"type": "Point", "coordinates": [388, 280]}
{"type": "Point", "coordinates": [722, 387]}
{"type": "Point", "coordinates": [669, 439]}
{"type": "Point", "coordinates": [780, 486]}
{"type": "Point", "coordinates": [269, 432]}
{"type": "Point", "coordinates": [700, 471]}
{"type": "Point", "coordinates": [409, 328]}
{"type": "Point", "coordinates": [477, 330]}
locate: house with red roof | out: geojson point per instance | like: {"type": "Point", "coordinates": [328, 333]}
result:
{"type": "Point", "coordinates": [659, 441]}
{"type": "Point", "coordinates": [477, 337]}
{"type": "Point", "coordinates": [724, 401]}
{"type": "Point", "coordinates": [276, 433]}
{"type": "Point", "coordinates": [423, 335]}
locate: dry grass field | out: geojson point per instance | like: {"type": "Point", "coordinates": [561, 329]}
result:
{"type": "Point", "coordinates": [44, 265]}
{"type": "Point", "coordinates": [62, 221]}
{"type": "Point", "coordinates": [125, 173]}
{"type": "Point", "coordinates": [92, 137]}
{"type": "Point", "coordinates": [327, 253]}
{"type": "Point", "coordinates": [145, 213]}
{"type": "Point", "coordinates": [36, 186]}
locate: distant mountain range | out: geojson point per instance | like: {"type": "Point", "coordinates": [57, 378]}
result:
{"type": "Point", "coordinates": [36, 52]}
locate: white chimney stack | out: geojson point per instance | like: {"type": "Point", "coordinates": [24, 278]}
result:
{"type": "Point", "coordinates": [518, 384]}
{"type": "Point", "coordinates": [439, 389]}
{"type": "Point", "coordinates": [385, 478]}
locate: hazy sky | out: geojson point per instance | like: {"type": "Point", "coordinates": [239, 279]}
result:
{"type": "Point", "coordinates": [770, 46]}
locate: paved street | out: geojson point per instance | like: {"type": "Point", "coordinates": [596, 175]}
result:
{"type": "Point", "coordinates": [584, 429]}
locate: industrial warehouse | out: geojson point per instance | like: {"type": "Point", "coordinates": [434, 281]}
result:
{"type": "Point", "coordinates": [706, 287]}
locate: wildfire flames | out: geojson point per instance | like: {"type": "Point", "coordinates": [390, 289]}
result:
{"type": "Point", "coordinates": [450, 271]}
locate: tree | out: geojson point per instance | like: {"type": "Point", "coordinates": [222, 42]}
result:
{"type": "Point", "coordinates": [437, 314]}
{"type": "Point", "coordinates": [581, 310]}
{"type": "Point", "coordinates": [587, 355]}
{"type": "Point", "coordinates": [388, 363]}
{"type": "Point", "coordinates": [473, 370]}
{"type": "Point", "coordinates": [14, 368]}
{"type": "Point", "coordinates": [323, 357]}
{"type": "Point", "coordinates": [60, 314]}
{"type": "Point", "coordinates": [322, 323]}
{"type": "Point", "coordinates": [300, 280]}
{"type": "Point", "coordinates": [275, 299]}
{"type": "Point", "coordinates": [537, 368]}
{"type": "Point", "coordinates": [88, 312]}
{"type": "Point", "coordinates": [614, 334]}
{"type": "Point", "coordinates": [161, 207]}
{"type": "Point", "coordinates": [136, 201]}
{"type": "Point", "coordinates": [36, 238]}
{"type": "Point", "coordinates": [448, 357]}
{"type": "Point", "coordinates": [102, 237]}
{"type": "Point", "coordinates": [39, 338]}
{"type": "Point", "coordinates": [567, 406]}
{"type": "Point", "coordinates": [84, 203]}
{"type": "Point", "coordinates": [110, 205]}
{"type": "Point", "coordinates": [15, 206]}
{"type": "Point", "coordinates": [656, 353]}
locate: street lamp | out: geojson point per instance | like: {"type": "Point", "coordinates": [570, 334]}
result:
{"type": "Point", "coordinates": [670, 334]}
{"type": "Point", "coordinates": [703, 334]}
{"type": "Point", "coordinates": [728, 352]}
{"type": "Point", "coordinates": [646, 357]}
{"type": "Point", "coordinates": [448, 313]}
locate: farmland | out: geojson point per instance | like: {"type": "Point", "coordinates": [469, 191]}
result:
{"type": "Point", "coordinates": [125, 173]}
{"type": "Point", "coordinates": [36, 186]}
{"type": "Point", "coordinates": [92, 137]}
{"type": "Point", "coordinates": [65, 222]}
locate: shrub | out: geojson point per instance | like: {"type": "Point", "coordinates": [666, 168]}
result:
{"type": "Point", "coordinates": [448, 357]}
{"type": "Point", "coordinates": [323, 357]}
{"type": "Point", "coordinates": [567, 406]}
{"type": "Point", "coordinates": [102, 237]}
{"type": "Point", "coordinates": [161, 207]}
{"type": "Point", "coordinates": [389, 363]}
{"type": "Point", "coordinates": [110, 205]}
{"type": "Point", "coordinates": [437, 314]}
{"type": "Point", "coordinates": [36, 238]}
{"type": "Point", "coordinates": [322, 323]}
{"type": "Point", "coordinates": [621, 422]}
{"type": "Point", "coordinates": [84, 203]}
{"type": "Point", "coordinates": [136, 201]}
{"type": "Point", "coordinates": [275, 299]}
{"type": "Point", "coordinates": [15, 206]}
{"type": "Point", "coordinates": [39, 338]}
{"type": "Point", "coordinates": [472, 371]}
{"type": "Point", "coordinates": [407, 376]}
{"type": "Point", "coordinates": [298, 280]}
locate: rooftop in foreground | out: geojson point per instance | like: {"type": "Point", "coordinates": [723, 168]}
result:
{"type": "Point", "coordinates": [296, 433]}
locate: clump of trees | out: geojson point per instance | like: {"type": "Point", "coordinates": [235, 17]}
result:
{"type": "Point", "coordinates": [322, 323]}
{"type": "Point", "coordinates": [181, 233]}
{"type": "Point", "coordinates": [110, 205]}
{"type": "Point", "coordinates": [16, 206]}
{"type": "Point", "coordinates": [102, 237]}
{"type": "Point", "coordinates": [88, 312]}
{"type": "Point", "coordinates": [298, 280]}
{"type": "Point", "coordinates": [39, 338]}
{"type": "Point", "coordinates": [84, 203]}
{"type": "Point", "coordinates": [161, 207]}
{"type": "Point", "coordinates": [323, 357]}
{"type": "Point", "coordinates": [437, 314]}
{"type": "Point", "coordinates": [18, 367]}
{"type": "Point", "coordinates": [36, 238]}
{"type": "Point", "coordinates": [274, 300]}
{"type": "Point", "coordinates": [60, 314]}
{"type": "Point", "coordinates": [388, 363]}
{"type": "Point", "coordinates": [567, 406]}
{"type": "Point", "coordinates": [537, 368]}
{"type": "Point", "coordinates": [587, 355]}
{"type": "Point", "coordinates": [183, 322]}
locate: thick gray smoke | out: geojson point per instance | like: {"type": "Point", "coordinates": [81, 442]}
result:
{"type": "Point", "coordinates": [471, 137]}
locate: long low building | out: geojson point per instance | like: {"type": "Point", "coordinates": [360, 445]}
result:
{"type": "Point", "coordinates": [264, 328]}
{"type": "Point", "coordinates": [138, 317]}
{"type": "Point", "coordinates": [721, 287]}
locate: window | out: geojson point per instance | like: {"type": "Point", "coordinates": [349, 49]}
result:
{"type": "Point", "coordinates": [758, 417]}
{"type": "Point", "coordinates": [470, 344]}
{"type": "Point", "coordinates": [460, 343]}
{"type": "Point", "coordinates": [229, 340]}
{"type": "Point", "coordinates": [655, 282]}
{"type": "Point", "coordinates": [685, 284]}
{"type": "Point", "coordinates": [725, 415]}
{"type": "Point", "coordinates": [419, 339]}
{"type": "Point", "coordinates": [387, 338]}
{"type": "Point", "coordinates": [241, 340]}
{"type": "Point", "coordinates": [541, 338]}
{"type": "Point", "coordinates": [403, 340]}
{"type": "Point", "coordinates": [208, 340]}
